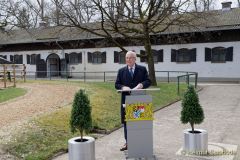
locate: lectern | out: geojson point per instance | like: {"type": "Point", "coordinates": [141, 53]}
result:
{"type": "Point", "coordinates": [139, 120]}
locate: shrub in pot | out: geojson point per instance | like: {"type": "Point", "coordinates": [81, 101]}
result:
{"type": "Point", "coordinates": [195, 140]}
{"type": "Point", "coordinates": [83, 147]}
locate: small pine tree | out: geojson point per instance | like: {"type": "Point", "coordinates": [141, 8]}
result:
{"type": "Point", "coordinates": [81, 119]}
{"type": "Point", "coordinates": [192, 111]}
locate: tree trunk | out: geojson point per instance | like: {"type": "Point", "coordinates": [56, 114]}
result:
{"type": "Point", "coordinates": [148, 49]}
{"type": "Point", "coordinates": [57, 13]}
{"type": "Point", "coordinates": [42, 10]}
{"type": "Point", "coordinates": [81, 133]}
{"type": "Point", "coordinates": [192, 125]}
{"type": "Point", "coordinates": [195, 5]}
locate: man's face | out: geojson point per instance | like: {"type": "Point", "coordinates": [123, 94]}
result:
{"type": "Point", "coordinates": [130, 59]}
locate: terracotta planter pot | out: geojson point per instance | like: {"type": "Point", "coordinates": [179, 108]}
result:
{"type": "Point", "coordinates": [81, 150]}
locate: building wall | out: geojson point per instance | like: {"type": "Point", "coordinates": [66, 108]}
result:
{"type": "Point", "coordinates": [204, 69]}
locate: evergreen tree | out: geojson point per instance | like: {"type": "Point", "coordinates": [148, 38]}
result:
{"type": "Point", "coordinates": [192, 111]}
{"type": "Point", "coordinates": [81, 119]}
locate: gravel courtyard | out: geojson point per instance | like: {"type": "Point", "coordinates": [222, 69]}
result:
{"type": "Point", "coordinates": [40, 98]}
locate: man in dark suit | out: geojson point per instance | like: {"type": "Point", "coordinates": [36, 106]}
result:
{"type": "Point", "coordinates": [132, 76]}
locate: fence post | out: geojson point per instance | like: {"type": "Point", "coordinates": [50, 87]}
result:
{"type": "Point", "coordinates": [14, 75]}
{"type": "Point", "coordinates": [196, 79]}
{"type": "Point", "coordinates": [4, 76]}
{"type": "Point", "coordinates": [84, 76]}
{"type": "Point", "coordinates": [67, 72]}
{"type": "Point", "coordinates": [178, 84]}
{"type": "Point", "coordinates": [24, 72]}
{"type": "Point", "coordinates": [36, 75]}
{"type": "Point", "coordinates": [168, 76]}
{"type": "Point", "coordinates": [188, 79]}
{"type": "Point", "coordinates": [50, 75]}
{"type": "Point", "coordinates": [104, 76]}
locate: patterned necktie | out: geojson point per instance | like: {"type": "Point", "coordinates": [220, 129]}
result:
{"type": "Point", "coordinates": [131, 72]}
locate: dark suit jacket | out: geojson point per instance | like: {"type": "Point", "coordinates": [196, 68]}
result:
{"type": "Point", "coordinates": [124, 79]}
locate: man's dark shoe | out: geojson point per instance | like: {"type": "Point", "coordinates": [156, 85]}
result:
{"type": "Point", "coordinates": [124, 148]}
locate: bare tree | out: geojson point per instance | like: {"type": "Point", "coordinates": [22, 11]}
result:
{"type": "Point", "coordinates": [21, 13]}
{"type": "Point", "coordinates": [133, 20]}
{"type": "Point", "coordinates": [202, 5]}
{"type": "Point", "coordinates": [3, 15]}
{"type": "Point", "coordinates": [238, 3]}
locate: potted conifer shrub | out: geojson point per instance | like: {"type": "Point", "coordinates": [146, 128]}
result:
{"type": "Point", "coordinates": [83, 147]}
{"type": "Point", "coordinates": [195, 140]}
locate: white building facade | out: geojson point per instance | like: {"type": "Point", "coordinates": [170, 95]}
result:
{"type": "Point", "coordinates": [220, 69]}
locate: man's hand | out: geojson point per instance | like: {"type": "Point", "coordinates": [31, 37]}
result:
{"type": "Point", "coordinates": [139, 86]}
{"type": "Point", "coordinates": [125, 88]}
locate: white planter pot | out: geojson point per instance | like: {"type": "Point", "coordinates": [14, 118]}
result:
{"type": "Point", "coordinates": [81, 150]}
{"type": "Point", "coordinates": [195, 142]}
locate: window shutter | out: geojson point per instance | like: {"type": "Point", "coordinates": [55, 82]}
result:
{"type": "Point", "coordinates": [80, 57]}
{"type": "Point", "coordinates": [193, 54]}
{"type": "Point", "coordinates": [229, 54]}
{"type": "Point", "coordinates": [103, 57]}
{"type": "Point", "coordinates": [89, 57]}
{"type": "Point", "coordinates": [28, 59]}
{"type": "Point", "coordinates": [142, 56]}
{"type": "Point", "coordinates": [173, 55]}
{"type": "Point", "coordinates": [208, 54]}
{"type": "Point", "coordinates": [38, 58]}
{"type": "Point", "coordinates": [160, 55]}
{"type": "Point", "coordinates": [11, 58]}
{"type": "Point", "coordinates": [33, 59]}
{"type": "Point", "coordinates": [116, 57]}
{"type": "Point", "coordinates": [21, 59]}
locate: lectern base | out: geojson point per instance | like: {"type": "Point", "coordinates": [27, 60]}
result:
{"type": "Point", "coordinates": [140, 139]}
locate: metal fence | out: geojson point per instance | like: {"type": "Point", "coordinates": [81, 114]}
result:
{"type": "Point", "coordinates": [163, 76]}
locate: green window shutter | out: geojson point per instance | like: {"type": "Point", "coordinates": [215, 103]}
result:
{"type": "Point", "coordinates": [193, 54]}
{"type": "Point", "coordinates": [28, 59]}
{"type": "Point", "coordinates": [104, 58]}
{"type": "Point", "coordinates": [173, 55]}
{"type": "Point", "coordinates": [208, 54]}
{"type": "Point", "coordinates": [160, 55]}
{"type": "Point", "coordinates": [11, 58]}
{"type": "Point", "coordinates": [116, 57]}
{"type": "Point", "coordinates": [80, 57]}
{"type": "Point", "coordinates": [89, 57]}
{"type": "Point", "coordinates": [229, 54]}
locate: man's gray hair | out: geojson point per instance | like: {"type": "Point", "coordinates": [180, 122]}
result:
{"type": "Point", "coordinates": [132, 53]}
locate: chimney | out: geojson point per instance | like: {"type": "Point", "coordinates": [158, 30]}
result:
{"type": "Point", "coordinates": [226, 6]}
{"type": "Point", "coordinates": [43, 24]}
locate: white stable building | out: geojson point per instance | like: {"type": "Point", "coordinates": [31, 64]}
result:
{"type": "Point", "coordinates": [213, 51]}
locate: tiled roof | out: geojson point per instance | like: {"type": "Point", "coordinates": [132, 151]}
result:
{"type": "Point", "coordinates": [213, 20]}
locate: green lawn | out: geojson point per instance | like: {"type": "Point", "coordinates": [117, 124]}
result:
{"type": "Point", "coordinates": [48, 134]}
{"type": "Point", "coordinates": [10, 93]}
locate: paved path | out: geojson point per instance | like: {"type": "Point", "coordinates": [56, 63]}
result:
{"type": "Point", "coordinates": [221, 104]}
